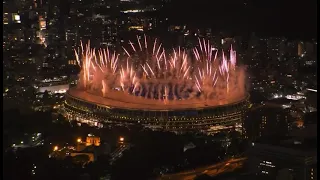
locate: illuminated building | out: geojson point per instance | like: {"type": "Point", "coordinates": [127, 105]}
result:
{"type": "Point", "coordinates": [16, 18]}
{"type": "Point", "coordinates": [297, 156]}
{"type": "Point", "coordinates": [138, 28]}
{"type": "Point", "coordinates": [177, 96]}
{"type": "Point", "coordinates": [300, 49]}
{"type": "Point", "coordinates": [267, 121]}
{"type": "Point", "coordinates": [92, 140]}
{"type": "Point", "coordinates": [96, 110]}
{"type": "Point", "coordinates": [5, 18]}
{"type": "Point", "coordinates": [55, 88]}
{"type": "Point", "coordinates": [9, 18]}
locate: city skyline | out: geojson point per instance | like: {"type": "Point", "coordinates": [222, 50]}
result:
{"type": "Point", "coordinates": [162, 89]}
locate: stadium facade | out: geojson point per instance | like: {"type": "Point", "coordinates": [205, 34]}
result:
{"type": "Point", "coordinates": [98, 111]}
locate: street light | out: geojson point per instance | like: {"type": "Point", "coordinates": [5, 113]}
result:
{"type": "Point", "coordinates": [79, 141]}
{"type": "Point", "coordinates": [55, 148]}
{"type": "Point", "coordinates": [121, 139]}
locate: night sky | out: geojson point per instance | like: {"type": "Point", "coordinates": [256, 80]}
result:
{"type": "Point", "coordinates": [296, 19]}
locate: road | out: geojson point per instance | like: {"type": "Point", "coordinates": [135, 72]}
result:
{"type": "Point", "coordinates": [35, 140]}
{"type": "Point", "coordinates": [211, 170]}
{"type": "Point", "coordinates": [118, 152]}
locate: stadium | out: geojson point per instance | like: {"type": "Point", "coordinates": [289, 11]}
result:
{"type": "Point", "coordinates": [178, 93]}
{"type": "Point", "coordinates": [96, 110]}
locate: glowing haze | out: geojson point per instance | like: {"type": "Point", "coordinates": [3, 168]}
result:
{"type": "Point", "coordinates": [147, 70]}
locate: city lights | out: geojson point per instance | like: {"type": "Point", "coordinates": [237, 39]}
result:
{"type": "Point", "coordinates": [16, 17]}
{"type": "Point", "coordinates": [121, 139]}
{"type": "Point", "coordinates": [166, 89]}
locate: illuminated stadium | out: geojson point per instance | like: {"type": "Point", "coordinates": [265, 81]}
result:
{"type": "Point", "coordinates": [180, 90]}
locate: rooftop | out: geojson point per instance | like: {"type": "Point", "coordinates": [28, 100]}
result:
{"type": "Point", "coordinates": [115, 99]}
{"type": "Point", "coordinates": [301, 142]}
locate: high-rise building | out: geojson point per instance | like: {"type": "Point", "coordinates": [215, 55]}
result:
{"type": "Point", "coordinates": [294, 157]}
{"type": "Point", "coordinates": [267, 121]}
{"type": "Point", "coordinates": [300, 48]}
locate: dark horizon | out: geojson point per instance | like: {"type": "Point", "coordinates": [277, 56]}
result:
{"type": "Point", "coordinates": [159, 89]}
{"type": "Point", "coordinates": [275, 18]}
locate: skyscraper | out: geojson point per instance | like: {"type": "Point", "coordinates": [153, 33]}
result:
{"type": "Point", "coordinates": [300, 48]}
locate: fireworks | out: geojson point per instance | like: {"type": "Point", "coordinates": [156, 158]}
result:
{"type": "Point", "coordinates": [145, 69]}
